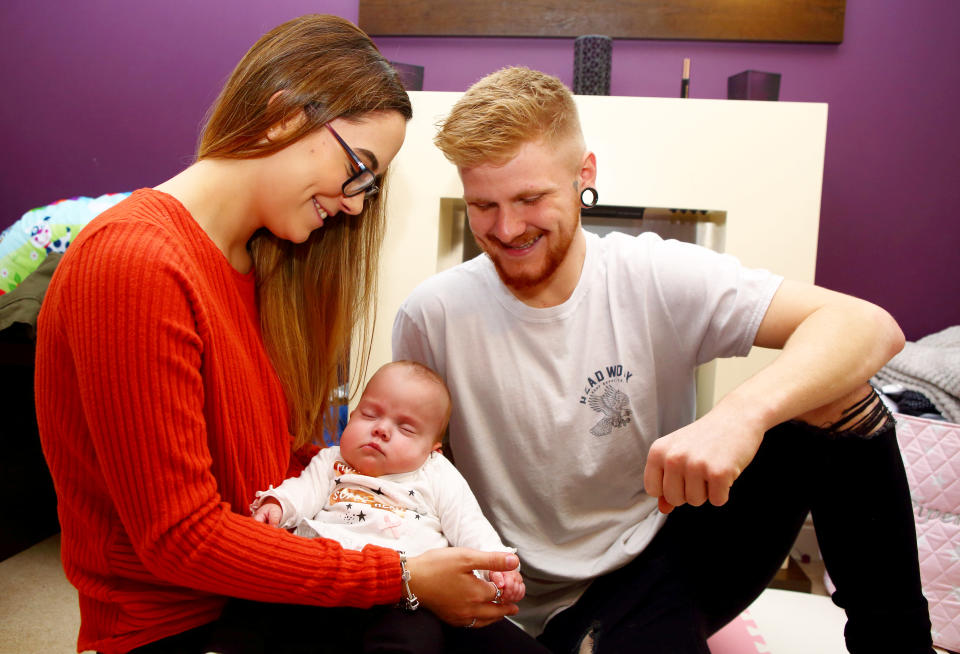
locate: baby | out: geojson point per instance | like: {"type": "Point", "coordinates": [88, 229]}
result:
{"type": "Point", "coordinates": [387, 483]}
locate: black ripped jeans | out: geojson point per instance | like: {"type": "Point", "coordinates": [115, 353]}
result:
{"type": "Point", "coordinates": [709, 563]}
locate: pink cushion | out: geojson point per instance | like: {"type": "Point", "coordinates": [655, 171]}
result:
{"type": "Point", "coordinates": [931, 455]}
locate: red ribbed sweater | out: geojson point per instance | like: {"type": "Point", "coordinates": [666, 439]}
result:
{"type": "Point", "coordinates": [160, 417]}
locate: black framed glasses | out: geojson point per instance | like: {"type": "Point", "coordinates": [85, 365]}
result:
{"type": "Point", "coordinates": [364, 180]}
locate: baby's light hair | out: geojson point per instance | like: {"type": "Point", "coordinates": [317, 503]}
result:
{"type": "Point", "coordinates": [502, 112]}
{"type": "Point", "coordinates": [425, 372]}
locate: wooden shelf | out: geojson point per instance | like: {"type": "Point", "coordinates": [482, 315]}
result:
{"type": "Point", "coordinates": [794, 21]}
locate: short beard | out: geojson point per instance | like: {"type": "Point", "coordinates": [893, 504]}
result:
{"type": "Point", "coordinates": [531, 280]}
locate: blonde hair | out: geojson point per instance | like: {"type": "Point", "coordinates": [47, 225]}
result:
{"type": "Point", "coordinates": [311, 295]}
{"type": "Point", "coordinates": [503, 111]}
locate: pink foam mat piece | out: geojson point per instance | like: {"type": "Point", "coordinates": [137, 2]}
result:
{"type": "Point", "coordinates": [741, 636]}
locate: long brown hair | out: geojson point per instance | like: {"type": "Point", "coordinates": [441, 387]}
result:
{"type": "Point", "coordinates": [311, 295]}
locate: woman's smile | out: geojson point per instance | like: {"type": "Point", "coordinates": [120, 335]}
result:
{"type": "Point", "coordinates": [320, 211]}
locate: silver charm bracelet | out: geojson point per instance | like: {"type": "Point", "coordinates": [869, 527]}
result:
{"type": "Point", "coordinates": [410, 601]}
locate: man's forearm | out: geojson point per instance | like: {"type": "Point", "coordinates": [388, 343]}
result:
{"type": "Point", "coordinates": [829, 355]}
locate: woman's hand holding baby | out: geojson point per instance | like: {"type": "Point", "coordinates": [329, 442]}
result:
{"type": "Point", "coordinates": [444, 581]}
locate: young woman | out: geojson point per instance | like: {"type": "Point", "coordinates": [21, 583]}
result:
{"type": "Point", "coordinates": [187, 350]}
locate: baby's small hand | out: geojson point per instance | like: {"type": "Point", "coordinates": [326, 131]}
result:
{"type": "Point", "coordinates": [269, 512]}
{"type": "Point", "coordinates": [511, 583]}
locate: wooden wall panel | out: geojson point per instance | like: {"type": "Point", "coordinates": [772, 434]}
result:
{"type": "Point", "coordinates": [800, 21]}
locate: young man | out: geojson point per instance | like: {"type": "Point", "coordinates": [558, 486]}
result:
{"type": "Point", "coordinates": [572, 360]}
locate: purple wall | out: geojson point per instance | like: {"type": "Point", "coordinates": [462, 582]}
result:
{"type": "Point", "coordinates": [109, 95]}
{"type": "Point", "coordinates": [82, 85]}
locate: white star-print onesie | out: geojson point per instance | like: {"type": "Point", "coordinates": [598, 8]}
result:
{"type": "Point", "coordinates": [412, 512]}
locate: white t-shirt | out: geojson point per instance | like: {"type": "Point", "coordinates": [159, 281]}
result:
{"type": "Point", "coordinates": [555, 408]}
{"type": "Point", "coordinates": [413, 512]}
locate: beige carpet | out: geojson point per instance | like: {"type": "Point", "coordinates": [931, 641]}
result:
{"type": "Point", "coordinates": [37, 604]}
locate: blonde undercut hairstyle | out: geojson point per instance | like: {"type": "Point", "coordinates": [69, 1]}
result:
{"type": "Point", "coordinates": [312, 296]}
{"type": "Point", "coordinates": [502, 112]}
